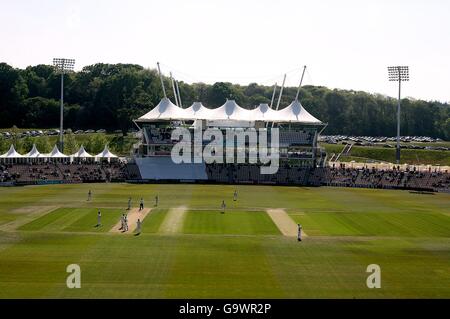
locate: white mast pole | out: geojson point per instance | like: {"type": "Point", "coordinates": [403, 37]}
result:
{"type": "Point", "coordinates": [179, 96]}
{"type": "Point", "coordinates": [162, 82]}
{"type": "Point", "coordinates": [281, 92]}
{"type": "Point", "coordinates": [174, 90]}
{"type": "Point", "coordinates": [300, 85]}
{"type": "Point", "coordinates": [273, 99]}
{"type": "Point", "coordinates": [279, 98]}
{"type": "Point", "coordinates": [273, 95]}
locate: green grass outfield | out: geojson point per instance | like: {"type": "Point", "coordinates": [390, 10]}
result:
{"type": "Point", "coordinates": [239, 254]}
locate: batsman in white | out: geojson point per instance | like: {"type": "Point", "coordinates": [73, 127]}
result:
{"type": "Point", "coordinates": [125, 225]}
{"type": "Point", "coordinates": [99, 219]}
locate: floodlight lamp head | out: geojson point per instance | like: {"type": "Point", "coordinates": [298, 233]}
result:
{"type": "Point", "coordinates": [63, 65]}
{"type": "Point", "coordinates": [398, 73]}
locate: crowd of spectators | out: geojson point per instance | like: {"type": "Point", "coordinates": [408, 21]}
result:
{"type": "Point", "coordinates": [340, 175]}
{"type": "Point", "coordinates": [63, 172]}
{"type": "Point", "coordinates": [395, 178]}
{"type": "Point", "coordinates": [410, 178]}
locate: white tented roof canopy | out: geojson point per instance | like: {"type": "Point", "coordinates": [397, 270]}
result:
{"type": "Point", "coordinates": [82, 153]}
{"type": "Point", "coordinates": [230, 111]}
{"type": "Point", "coordinates": [106, 153]}
{"type": "Point", "coordinates": [197, 110]}
{"type": "Point", "coordinates": [264, 113]}
{"type": "Point", "coordinates": [11, 153]}
{"type": "Point", "coordinates": [165, 110]}
{"type": "Point", "coordinates": [295, 112]}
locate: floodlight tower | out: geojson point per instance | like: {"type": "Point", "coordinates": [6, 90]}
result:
{"type": "Point", "coordinates": [399, 74]}
{"type": "Point", "coordinates": [62, 66]}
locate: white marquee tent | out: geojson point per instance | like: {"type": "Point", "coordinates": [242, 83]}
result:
{"type": "Point", "coordinates": [11, 154]}
{"type": "Point", "coordinates": [81, 153]}
{"type": "Point", "coordinates": [55, 153]}
{"type": "Point", "coordinates": [34, 153]}
{"type": "Point", "coordinates": [106, 154]}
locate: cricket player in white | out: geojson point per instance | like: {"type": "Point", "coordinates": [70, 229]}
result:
{"type": "Point", "coordinates": [129, 203]}
{"type": "Point", "coordinates": [122, 222]}
{"type": "Point", "coordinates": [125, 222]}
{"type": "Point", "coordinates": [223, 207]}
{"type": "Point", "coordinates": [89, 195]}
{"type": "Point", "coordinates": [138, 226]}
{"type": "Point", "coordinates": [99, 219]}
{"type": "Point", "coordinates": [235, 195]}
{"type": "Point", "coordinates": [299, 236]}
{"type": "Point", "coordinates": [141, 205]}
{"type": "Point", "coordinates": [156, 201]}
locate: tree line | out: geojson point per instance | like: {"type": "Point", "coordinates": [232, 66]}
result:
{"type": "Point", "coordinates": [109, 96]}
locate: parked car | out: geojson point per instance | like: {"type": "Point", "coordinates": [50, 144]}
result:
{"type": "Point", "coordinates": [53, 132]}
{"type": "Point", "coordinates": [101, 131]}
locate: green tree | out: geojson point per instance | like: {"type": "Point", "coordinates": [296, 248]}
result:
{"type": "Point", "coordinates": [4, 145]}
{"type": "Point", "coordinates": [13, 90]}
{"type": "Point", "coordinates": [110, 96]}
{"type": "Point", "coordinates": [222, 91]}
{"type": "Point", "coordinates": [27, 145]}
{"type": "Point", "coordinates": [70, 144]}
{"type": "Point", "coordinates": [43, 145]}
{"type": "Point", "coordinates": [41, 112]}
{"type": "Point", "coordinates": [96, 143]}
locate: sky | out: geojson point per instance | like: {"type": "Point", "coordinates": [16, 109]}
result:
{"type": "Point", "coordinates": [346, 44]}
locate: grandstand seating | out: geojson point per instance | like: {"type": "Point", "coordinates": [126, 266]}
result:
{"type": "Point", "coordinates": [161, 168]}
{"type": "Point", "coordinates": [292, 138]}
{"type": "Point", "coordinates": [64, 173]}
{"type": "Point", "coordinates": [158, 136]}
{"type": "Point", "coordinates": [132, 172]}
{"type": "Point", "coordinates": [250, 174]}
{"type": "Point", "coordinates": [372, 178]}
